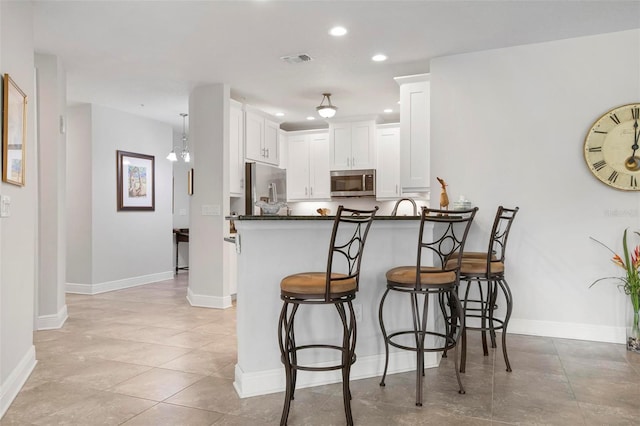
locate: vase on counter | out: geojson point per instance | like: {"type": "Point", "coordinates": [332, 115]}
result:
{"type": "Point", "coordinates": [633, 327]}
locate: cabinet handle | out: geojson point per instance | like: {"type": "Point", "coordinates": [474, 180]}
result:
{"type": "Point", "coordinates": [396, 188]}
{"type": "Point", "coordinates": [305, 191]}
{"type": "Point", "coordinates": [268, 155]}
{"type": "Point", "coordinates": [347, 161]}
{"type": "Point", "coordinates": [262, 152]}
{"type": "Point", "coordinates": [311, 190]}
{"type": "Point", "coordinates": [353, 161]}
{"type": "Point", "coordinates": [242, 183]}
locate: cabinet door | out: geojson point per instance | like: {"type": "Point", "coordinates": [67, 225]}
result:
{"type": "Point", "coordinates": [298, 170]}
{"type": "Point", "coordinates": [388, 169]}
{"type": "Point", "coordinates": [270, 145]}
{"type": "Point", "coordinates": [236, 155]}
{"type": "Point", "coordinates": [319, 180]}
{"type": "Point", "coordinates": [414, 136]}
{"type": "Point", "coordinates": [363, 148]}
{"type": "Point", "coordinates": [340, 146]}
{"type": "Point", "coordinates": [254, 136]}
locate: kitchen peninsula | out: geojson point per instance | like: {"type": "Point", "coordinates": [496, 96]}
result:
{"type": "Point", "coordinates": [272, 247]}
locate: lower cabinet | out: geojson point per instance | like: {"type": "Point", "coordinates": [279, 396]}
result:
{"type": "Point", "coordinates": [308, 167]}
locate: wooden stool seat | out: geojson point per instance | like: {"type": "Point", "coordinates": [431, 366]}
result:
{"type": "Point", "coordinates": [478, 267]}
{"type": "Point", "coordinates": [406, 276]}
{"type": "Point", "coordinates": [314, 283]}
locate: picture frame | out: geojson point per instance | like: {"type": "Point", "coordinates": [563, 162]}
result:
{"type": "Point", "coordinates": [136, 181]}
{"type": "Point", "coordinates": [190, 181]}
{"type": "Point", "coordinates": [14, 132]}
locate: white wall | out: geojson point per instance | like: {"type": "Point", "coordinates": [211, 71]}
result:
{"type": "Point", "coordinates": [508, 127]}
{"type": "Point", "coordinates": [209, 140]}
{"type": "Point", "coordinates": [78, 194]}
{"type": "Point", "coordinates": [180, 193]}
{"type": "Point", "coordinates": [51, 277]}
{"type": "Point", "coordinates": [18, 232]}
{"type": "Point", "coordinates": [126, 247]}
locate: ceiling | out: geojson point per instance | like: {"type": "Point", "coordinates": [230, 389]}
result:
{"type": "Point", "coordinates": [145, 57]}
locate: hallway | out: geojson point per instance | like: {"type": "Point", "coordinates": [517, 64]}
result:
{"type": "Point", "coordinates": [144, 356]}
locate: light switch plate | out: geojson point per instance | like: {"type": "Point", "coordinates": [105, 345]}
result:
{"type": "Point", "coordinates": [5, 206]}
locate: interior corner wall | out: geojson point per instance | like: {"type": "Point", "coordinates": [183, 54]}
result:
{"type": "Point", "coordinates": [508, 127]}
{"type": "Point", "coordinates": [78, 195]}
{"type": "Point", "coordinates": [129, 247]}
{"type": "Point", "coordinates": [18, 231]}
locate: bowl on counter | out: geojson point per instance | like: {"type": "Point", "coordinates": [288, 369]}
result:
{"type": "Point", "coordinates": [270, 208]}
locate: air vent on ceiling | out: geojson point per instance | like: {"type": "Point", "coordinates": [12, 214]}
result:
{"type": "Point", "coordinates": [296, 59]}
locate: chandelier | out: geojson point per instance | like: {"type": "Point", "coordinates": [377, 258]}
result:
{"type": "Point", "coordinates": [184, 154]}
{"type": "Point", "coordinates": [328, 110]}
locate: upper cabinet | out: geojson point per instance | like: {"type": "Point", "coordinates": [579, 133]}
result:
{"type": "Point", "coordinates": [308, 171]}
{"type": "Point", "coordinates": [261, 138]}
{"type": "Point", "coordinates": [352, 145]}
{"type": "Point", "coordinates": [388, 167]}
{"type": "Point", "coordinates": [236, 152]}
{"type": "Point", "coordinates": [415, 128]}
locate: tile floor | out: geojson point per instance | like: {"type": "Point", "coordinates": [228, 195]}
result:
{"type": "Point", "coordinates": [143, 356]}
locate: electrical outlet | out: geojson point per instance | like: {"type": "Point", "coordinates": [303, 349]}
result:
{"type": "Point", "coordinates": [357, 309]}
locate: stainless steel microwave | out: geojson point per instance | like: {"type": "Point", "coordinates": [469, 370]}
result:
{"type": "Point", "coordinates": [353, 183]}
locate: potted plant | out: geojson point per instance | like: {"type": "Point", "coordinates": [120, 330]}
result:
{"type": "Point", "coordinates": [630, 284]}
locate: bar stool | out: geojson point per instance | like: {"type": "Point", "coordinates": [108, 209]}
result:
{"type": "Point", "coordinates": [487, 270]}
{"type": "Point", "coordinates": [338, 286]}
{"type": "Point", "coordinates": [439, 250]}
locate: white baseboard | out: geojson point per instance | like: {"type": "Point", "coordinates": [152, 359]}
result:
{"type": "Point", "coordinates": [567, 330]}
{"type": "Point", "coordinates": [272, 381]}
{"type": "Point", "coordinates": [204, 301]}
{"type": "Point", "coordinates": [91, 289]}
{"type": "Point", "coordinates": [52, 322]}
{"type": "Point", "coordinates": [17, 378]}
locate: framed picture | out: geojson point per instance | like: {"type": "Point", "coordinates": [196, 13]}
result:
{"type": "Point", "coordinates": [14, 132]}
{"type": "Point", "coordinates": [190, 182]}
{"type": "Point", "coordinates": [136, 181]}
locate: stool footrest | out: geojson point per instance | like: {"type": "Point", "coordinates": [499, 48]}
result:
{"type": "Point", "coordinates": [450, 343]}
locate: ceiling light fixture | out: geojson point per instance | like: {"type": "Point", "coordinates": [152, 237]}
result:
{"type": "Point", "coordinates": [186, 157]}
{"type": "Point", "coordinates": [379, 57]}
{"type": "Point", "coordinates": [326, 111]}
{"type": "Point", "coordinates": [338, 31]}
{"type": "Point", "coordinates": [311, 118]}
{"type": "Point", "coordinates": [279, 114]}
{"type": "Point", "coordinates": [388, 110]}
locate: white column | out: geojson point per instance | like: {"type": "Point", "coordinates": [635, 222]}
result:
{"type": "Point", "coordinates": [209, 140]}
{"type": "Point", "coordinates": [51, 81]}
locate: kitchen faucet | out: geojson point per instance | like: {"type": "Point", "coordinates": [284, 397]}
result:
{"type": "Point", "coordinates": [394, 212]}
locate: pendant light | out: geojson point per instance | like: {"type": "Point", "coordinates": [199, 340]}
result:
{"type": "Point", "coordinates": [328, 110]}
{"type": "Point", "coordinates": [184, 154]}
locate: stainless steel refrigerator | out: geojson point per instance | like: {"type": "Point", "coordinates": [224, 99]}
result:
{"type": "Point", "coordinates": [263, 183]}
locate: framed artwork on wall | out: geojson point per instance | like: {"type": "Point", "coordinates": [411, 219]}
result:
{"type": "Point", "coordinates": [136, 181]}
{"type": "Point", "coordinates": [14, 132]}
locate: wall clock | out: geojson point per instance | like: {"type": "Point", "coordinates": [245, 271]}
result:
{"type": "Point", "coordinates": [612, 148]}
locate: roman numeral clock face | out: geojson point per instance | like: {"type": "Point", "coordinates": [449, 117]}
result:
{"type": "Point", "coordinates": [612, 148]}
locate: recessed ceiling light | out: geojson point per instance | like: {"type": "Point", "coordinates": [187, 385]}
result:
{"type": "Point", "coordinates": [311, 118]}
{"type": "Point", "coordinates": [379, 57]}
{"type": "Point", "coordinates": [279, 114]}
{"type": "Point", "coordinates": [338, 31]}
{"type": "Point", "coordinates": [388, 110]}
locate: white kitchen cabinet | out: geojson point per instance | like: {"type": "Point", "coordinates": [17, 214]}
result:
{"type": "Point", "coordinates": [308, 171]}
{"type": "Point", "coordinates": [388, 168]}
{"type": "Point", "coordinates": [261, 138]}
{"type": "Point", "coordinates": [236, 152]}
{"type": "Point", "coordinates": [415, 128]}
{"type": "Point", "coordinates": [352, 145]}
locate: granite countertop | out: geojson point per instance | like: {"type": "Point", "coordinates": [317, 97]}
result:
{"type": "Point", "coordinates": [315, 217]}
